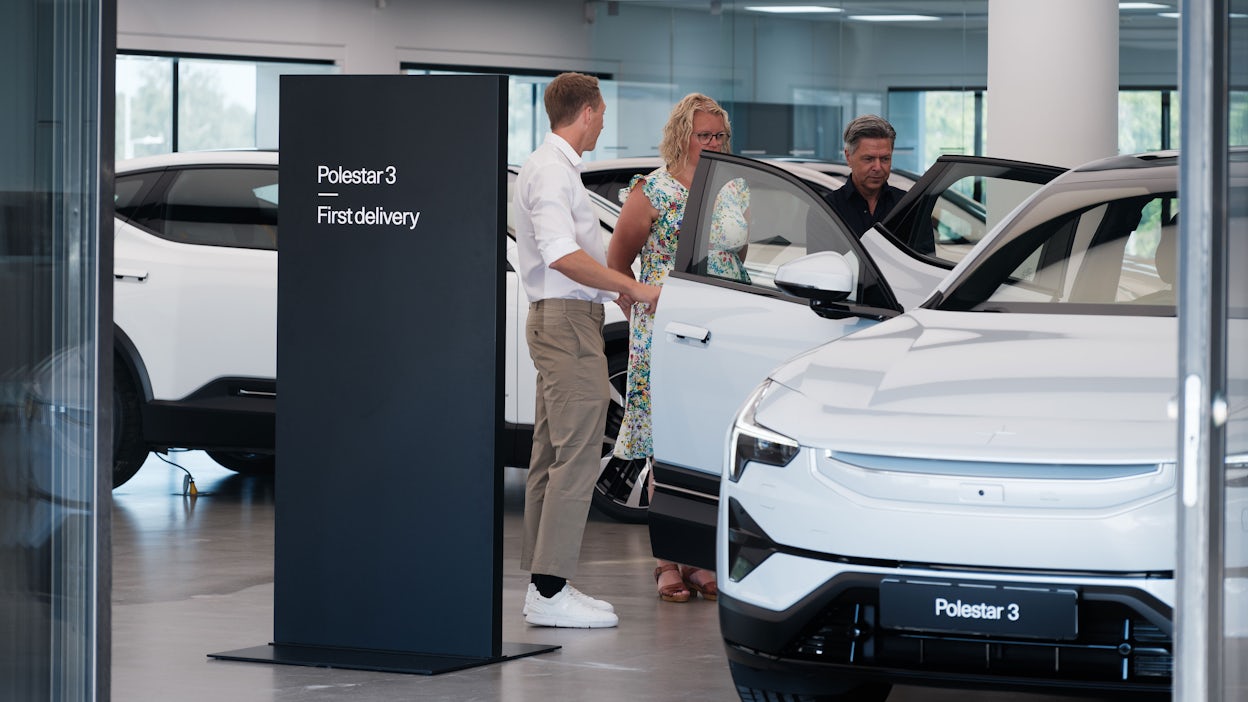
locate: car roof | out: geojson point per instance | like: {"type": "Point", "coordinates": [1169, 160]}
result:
{"type": "Point", "coordinates": [643, 164]}
{"type": "Point", "coordinates": [246, 157]}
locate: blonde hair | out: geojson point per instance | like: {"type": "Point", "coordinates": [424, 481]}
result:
{"type": "Point", "coordinates": [567, 95]}
{"type": "Point", "coordinates": [674, 149]}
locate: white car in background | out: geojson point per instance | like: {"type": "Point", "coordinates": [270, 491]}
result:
{"type": "Point", "coordinates": [982, 491]}
{"type": "Point", "coordinates": [607, 176]}
{"type": "Point", "coordinates": [195, 319]}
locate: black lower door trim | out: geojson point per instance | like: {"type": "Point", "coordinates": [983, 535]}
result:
{"type": "Point", "coordinates": [683, 515]}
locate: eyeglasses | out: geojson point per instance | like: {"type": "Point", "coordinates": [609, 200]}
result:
{"type": "Point", "coordinates": [705, 138]}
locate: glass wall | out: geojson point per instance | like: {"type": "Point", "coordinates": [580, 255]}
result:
{"type": "Point", "coordinates": [936, 122]}
{"type": "Point", "coordinates": [53, 512]}
{"type": "Point", "coordinates": [1148, 120]}
{"type": "Point", "coordinates": [792, 81]}
{"type": "Point", "coordinates": [1235, 586]}
{"type": "Point", "coordinates": [190, 103]}
{"type": "Point", "coordinates": [527, 122]}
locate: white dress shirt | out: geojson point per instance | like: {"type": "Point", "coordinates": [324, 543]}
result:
{"type": "Point", "coordinates": [554, 218]}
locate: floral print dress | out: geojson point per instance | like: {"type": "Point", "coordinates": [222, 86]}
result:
{"type": "Point", "coordinates": [658, 256]}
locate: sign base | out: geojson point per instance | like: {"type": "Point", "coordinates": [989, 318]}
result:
{"type": "Point", "coordinates": [381, 661]}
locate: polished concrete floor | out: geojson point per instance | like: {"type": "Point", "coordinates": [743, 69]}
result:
{"type": "Point", "coordinates": [194, 576]}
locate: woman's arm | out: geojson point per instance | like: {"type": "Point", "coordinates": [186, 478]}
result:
{"type": "Point", "coordinates": [631, 230]}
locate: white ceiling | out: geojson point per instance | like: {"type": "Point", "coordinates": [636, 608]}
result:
{"type": "Point", "coordinates": [1134, 25]}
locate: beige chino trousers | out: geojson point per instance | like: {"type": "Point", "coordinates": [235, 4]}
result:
{"type": "Point", "coordinates": [565, 342]}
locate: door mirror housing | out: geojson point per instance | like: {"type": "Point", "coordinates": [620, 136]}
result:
{"type": "Point", "coordinates": [823, 277]}
{"type": "Point", "coordinates": [827, 279]}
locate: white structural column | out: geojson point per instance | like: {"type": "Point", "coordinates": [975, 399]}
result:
{"type": "Point", "coordinates": [1052, 80]}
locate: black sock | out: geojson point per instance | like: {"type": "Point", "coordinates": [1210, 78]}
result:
{"type": "Point", "coordinates": [548, 585]}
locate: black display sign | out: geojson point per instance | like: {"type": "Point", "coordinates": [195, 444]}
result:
{"type": "Point", "coordinates": [389, 410]}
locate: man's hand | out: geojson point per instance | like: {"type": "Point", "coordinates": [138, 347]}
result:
{"type": "Point", "coordinates": [647, 295]}
{"type": "Point", "coordinates": [626, 305]}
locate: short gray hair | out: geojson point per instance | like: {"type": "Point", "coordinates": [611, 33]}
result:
{"type": "Point", "coordinates": [868, 127]}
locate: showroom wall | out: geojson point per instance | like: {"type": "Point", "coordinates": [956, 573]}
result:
{"type": "Point", "coordinates": [765, 57]}
{"type": "Point", "coordinates": [805, 77]}
{"type": "Point", "coordinates": [366, 36]}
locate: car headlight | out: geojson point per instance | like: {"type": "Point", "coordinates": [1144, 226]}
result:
{"type": "Point", "coordinates": [750, 441]}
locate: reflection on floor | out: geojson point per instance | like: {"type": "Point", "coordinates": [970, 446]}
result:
{"type": "Point", "coordinates": [193, 576]}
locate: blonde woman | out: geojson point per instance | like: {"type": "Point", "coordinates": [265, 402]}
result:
{"type": "Point", "coordinates": [648, 227]}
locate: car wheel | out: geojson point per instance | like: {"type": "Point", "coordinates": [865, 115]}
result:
{"type": "Point", "coordinates": [747, 679]}
{"type": "Point", "coordinates": [866, 693]}
{"type": "Point", "coordinates": [245, 462]}
{"type": "Point", "coordinates": [620, 492]}
{"type": "Point", "coordinates": [129, 451]}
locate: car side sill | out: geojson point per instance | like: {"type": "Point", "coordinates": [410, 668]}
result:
{"type": "Point", "coordinates": [683, 515]}
{"type": "Point", "coordinates": [234, 424]}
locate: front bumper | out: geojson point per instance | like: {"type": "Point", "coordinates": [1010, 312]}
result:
{"type": "Point", "coordinates": [834, 635]}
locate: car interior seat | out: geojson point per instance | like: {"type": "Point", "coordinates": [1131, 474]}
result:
{"type": "Point", "coordinates": [1165, 260]}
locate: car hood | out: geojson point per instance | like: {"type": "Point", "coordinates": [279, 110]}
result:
{"type": "Point", "coordinates": [1084, 389]}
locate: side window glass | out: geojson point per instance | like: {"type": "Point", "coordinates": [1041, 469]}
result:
{"type": "Point", "coordinates": [959, 220]}
{"type": "Point", "coordinates": [220, 207]}
{"type": "Point", "coordinates": [1118, 252]}
{"type": "Point", "coordinates": [128, 192]}
{"type": "Point", "coordinates": [1151, 257]}
{"type": "Point", "coordinates": [964, 211]}
{"type": "Point", "coordinates": [756, 221]}
{"type": "Point", "coordinates": [611, 184]}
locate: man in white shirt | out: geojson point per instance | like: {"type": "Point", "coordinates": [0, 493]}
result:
{"type": "Point", "coordinates": [562, 267]}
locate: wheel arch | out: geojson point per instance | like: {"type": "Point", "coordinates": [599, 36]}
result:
{"type": "Point", "coordinates": [130, 358]}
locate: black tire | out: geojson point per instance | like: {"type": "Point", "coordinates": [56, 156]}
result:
{"type": "Point", "coordinates": [244, 462]}
{"type": "Point", "coordinates": [620, 492]}
{"type": "Point", "coordinates": [747, 679]}
{"type": "Point", "coordinates": [877, 692]}
{"type": "Point", "coordinates": [129, 450]}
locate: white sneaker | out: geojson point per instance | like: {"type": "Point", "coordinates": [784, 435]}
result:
{"type": "Point", "coordinates": [567, 610]}
{"type": "Point", "coordinates": [595, 603]}
{"type": "Point", "coordinates": [600, 605]}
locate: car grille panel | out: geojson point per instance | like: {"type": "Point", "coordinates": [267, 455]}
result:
{"type": "Point", "coordinates": [1115, 645]}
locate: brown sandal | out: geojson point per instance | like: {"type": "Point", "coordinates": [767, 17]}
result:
{"type": "Point", "coordinates": [708, 589]}
{"type": "Point", "coordinates": [672, 592]}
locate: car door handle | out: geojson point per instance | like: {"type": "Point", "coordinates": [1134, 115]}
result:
{"type": "Point", "coordinates": [680, 330]}
{"type": "Point", "coordinates": [123, 273]}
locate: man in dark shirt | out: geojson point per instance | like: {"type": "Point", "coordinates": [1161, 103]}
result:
{"type": "Point", "coordinates": [866, 197]}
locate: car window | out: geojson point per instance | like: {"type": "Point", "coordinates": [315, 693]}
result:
{"type": "Point", "coordinates": [964, 203]}
{"type": "Point", "coordinates": [129, 192]}
{"type": "Point", "coordinates": [1119, 252]}
{"type": "Point", "coordinates": [751, 220]}
{"type": "Point", "coordinates": [218, 207]}
{"type": "Point", "coordinates": [609, 182]}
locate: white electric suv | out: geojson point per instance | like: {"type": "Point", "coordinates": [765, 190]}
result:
{"type": "Point", "coordinates": [981, 492]}
{"type": "Point", "coordinates": [195, 320]}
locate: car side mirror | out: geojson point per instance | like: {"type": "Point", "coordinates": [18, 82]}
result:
{"type": "Point", "coordinates": [823, 277]}
{"type": "Point", "coordinates": [826, 279]}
